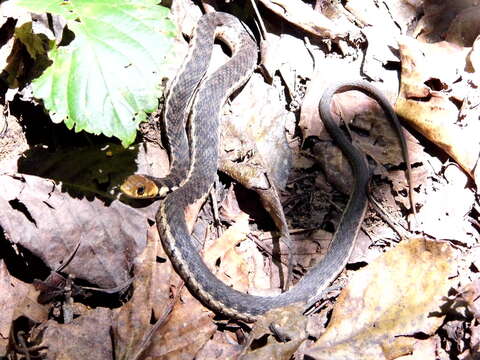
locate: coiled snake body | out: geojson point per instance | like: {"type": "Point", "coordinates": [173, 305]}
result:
{"type": "Point", "coordinates": [194, 170]}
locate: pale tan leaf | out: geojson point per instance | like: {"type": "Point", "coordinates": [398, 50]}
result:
{"type": "Point", "coordinates": [384, 303]}
{"type": "Point", "coordinates": [229, 239]}
{"type": "Point", "coordinates": [233, 269]}
{"type": "Point", "coordinates": [429, 75]}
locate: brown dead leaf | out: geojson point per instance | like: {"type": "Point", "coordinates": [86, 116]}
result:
{"type": "Point", "coordinates": [440, 16]}
{"type": "Point", "coordinates": [184, 326]}
{"type": "Point", "coordinates": [392, 298]}
{"type": "Point", "coordinates": [188, 328]}
{"type": "Point", "coordinates": [132, 321]}
{"type": "Point", "coordinates": [232, 265]}
{"type": "Point", "coordinates": [86, 337]}
{"type": "Point", "coordinates": [258, 120]}
{"type": "Point", "coordinates": [381, 44]}
{"type": "Point", "coordinates": [41, 217]}
{"type": "Point", "coordinates": [285, 329]}
{"type": "Point", "coordinates": [311, 247]}
{"type": "Point", "coordinates": [429, 73]}
{"type": "Point", "coordinates": [219, 347]}
{"type": "Point", "coordinates": [288, 55]}
{"type": "Point", "coordinates": [465, 27]}
{"type": "Point", "coordinates": [303, 16]}
{"type": "Point", "coordinates": [16, 58]}
{"type": "Point", "coordinates": [17, 299]}
{"type": "Point", "coordinates": [256, 152]}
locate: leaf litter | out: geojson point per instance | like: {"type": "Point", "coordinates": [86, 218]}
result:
{"type": "Point", "coordinates": [400, 305]}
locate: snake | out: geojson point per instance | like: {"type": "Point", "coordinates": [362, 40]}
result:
{"type": "Point", "coordinates": [195, 103]}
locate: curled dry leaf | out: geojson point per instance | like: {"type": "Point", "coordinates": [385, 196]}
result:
{"type": "Point", "coordinates": [256, 152]}
{"type": "Point", "coordinates": [303, 16]}
{"type": "Point", "coordinates": [387, 302]}
{"type": "Point", "coordinates": [430, 74]}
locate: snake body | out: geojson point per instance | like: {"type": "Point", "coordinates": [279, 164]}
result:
{"type": "Point", "coordinates": [202, 158]}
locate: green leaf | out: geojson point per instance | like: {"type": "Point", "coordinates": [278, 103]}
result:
{"type": "Point", "coordinates": [108, 77]}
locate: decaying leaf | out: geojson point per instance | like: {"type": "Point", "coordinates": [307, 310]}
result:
{"type": "Point", "coordinates": [232, 266]}
{"type": "Point", "coordinates": [441, 16]}
{"type": "Point", "coordinates": [302, 15]}
{"type": "Point", "coordinates": [428, 100]}
{"type": "Point", "coordinates": [41, 217]}
{"type": "Point", "coordinates": [465, 27]}
{"type": "Point", "coordinates": [221, 346]}
{"type": "Point", "coordinates": [396, 296]}
{"type": "Point", "coordinates": [132, 321]}
{"type": "Point", "coordinates": [76, 341]}
{"type": "Point", "coordinates": [188, 328]}
{"type": "Point", "coordinates": [447, 204]}
{"type": "Point", "coordinates": [17, 299]}
{"type": "Point", "coordinates": [285, 329]}
{"type": "Point", "coordinates": [256, 152]}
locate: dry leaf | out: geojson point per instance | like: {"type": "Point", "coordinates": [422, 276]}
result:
{"type": "Point", "coordinates": [188, 328]}
{"type": "Point", "coordinates": [132, 321]}
{"type": "Point", "coordinates": [448, 202]}
{"type": "Point", "coordinates": [232, 266]}
{"type": "Point", "coordinates": [289, 326]}
{"type": "Point", "coordinates": [17, 299]}
{"type": "Point", "coordinates": [219, 347]}
{"type": "Point", "coordinates": [385, 303]}
{"type": "Point", "coordinates": [439, 17]}
{"type": "Point", "coordinates": [49, 222]}
{"type": "Point", "coordinates": [85, 338]}
{"type": "Point", "coordinates": [259, 156]}
{"type": "Point", "coordinates": [465, 27]}
{"type": "Point", "coordinates": [303, 16]}
{"type": "Point", "coordinates": [429, 75]}
{"type": "Point", "coordinates": [422, 350]}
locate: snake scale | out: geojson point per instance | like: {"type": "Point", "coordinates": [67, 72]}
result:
{"type": "Point", "coordinates": [194, 167]}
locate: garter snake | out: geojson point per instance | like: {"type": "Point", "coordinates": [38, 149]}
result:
{"type": "Point", "coordinates": [194, 168]}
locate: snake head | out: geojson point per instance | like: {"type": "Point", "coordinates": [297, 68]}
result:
{"type": "Point", "coordinates": [139, 187]}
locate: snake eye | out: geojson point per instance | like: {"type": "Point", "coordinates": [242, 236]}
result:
{"type": "Point", "coordinates": [140, 190]}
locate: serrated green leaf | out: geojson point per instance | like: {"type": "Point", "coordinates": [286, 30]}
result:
{"type": "Point", "coordinates": [108, 77]}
